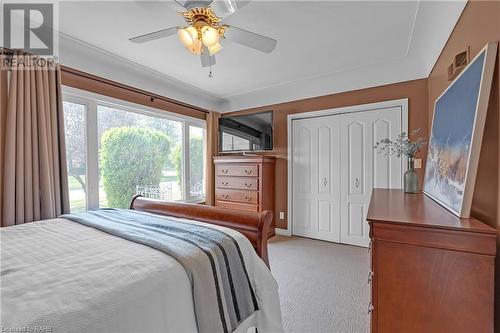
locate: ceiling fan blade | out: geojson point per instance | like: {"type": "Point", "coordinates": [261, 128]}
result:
{"type": "Point", "coordinates": [188, 4]}
{"type": "Point", "coordinates": [177, 5]}
{"type": "Point", "coordinates": [154, 35]}
{"type": "Point", "coordinates": [224, 8]}
{"type": "Point", "coordinates": [250, 39]}
{"type": "Point", "coordinates": [206, 59]}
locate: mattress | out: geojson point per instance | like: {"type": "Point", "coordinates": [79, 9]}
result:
{"type": "Point", "coordinates": [61, 276]}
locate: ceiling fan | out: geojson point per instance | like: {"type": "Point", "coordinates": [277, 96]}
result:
{"type": "Point", "coordinates": [205, 30]}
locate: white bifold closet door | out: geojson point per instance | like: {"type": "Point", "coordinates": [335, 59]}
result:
{"type": "Point", "coordinates": [335, 167]}
{"type": "Point", "coordinates": [316, 178]}
{"type": "Point", "coordinates": [363, 168]}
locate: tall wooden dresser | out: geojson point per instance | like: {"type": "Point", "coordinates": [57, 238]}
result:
{"type": "Point", "coordinates": [245, 183]}
{"type": "Point", "coordinates": [430, 270]}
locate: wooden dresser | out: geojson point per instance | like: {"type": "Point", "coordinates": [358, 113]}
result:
{"type": "Point", "coordinates": [245, 183]}
{"type": "Point", "coordinates": [430, 270]}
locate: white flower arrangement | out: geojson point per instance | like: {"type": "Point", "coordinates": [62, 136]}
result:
{"type": "Point", "coordinates": [405, 144]}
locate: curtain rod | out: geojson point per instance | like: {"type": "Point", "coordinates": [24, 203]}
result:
{"type": "Point", "coordinates": [130, 88]}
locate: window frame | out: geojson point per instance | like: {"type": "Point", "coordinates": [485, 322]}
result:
{"type": "Point", "coordinates": [91, 101]}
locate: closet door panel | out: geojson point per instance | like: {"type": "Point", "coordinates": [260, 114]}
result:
{"type": "Point", "coordinates": [302, 174]}
{"type": "Point", "coordinates": [362, 168]}
{"type": "Point", "coordinates": [324, 158]}
{"type": "Point", "coordinates": [316, 176]}
{"type": "Point", "coordinates": [387, 169]}
{"type": "Point", "coordinates": [329, 178]}
{"type": "Point", "coordinates": [325, 217]}
{"type": "Point", "coordinates": [356, 151]}
{"type": "Point", "coordinates": [381, 162]}
{"type": "Point", "coordinates": [356, 218]}
{"type": "Point", "coordinates": [356, 177]}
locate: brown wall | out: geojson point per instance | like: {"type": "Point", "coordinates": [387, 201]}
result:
{"type": "Point", "coordinates": [415, 91]}
{"type": "Point", "coordinates": [478, 25]}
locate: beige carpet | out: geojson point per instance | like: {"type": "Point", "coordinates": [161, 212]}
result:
{"type": "Point", "coordinates": [322, 286]}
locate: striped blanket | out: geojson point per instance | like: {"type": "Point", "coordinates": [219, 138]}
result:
{"type": "Point", "coordinates": [222, 293]}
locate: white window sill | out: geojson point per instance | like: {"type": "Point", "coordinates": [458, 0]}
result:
{"type": "Point", "coordinates": [195, 201]}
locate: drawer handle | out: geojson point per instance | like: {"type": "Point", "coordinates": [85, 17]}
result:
{"type": "Point", "coordinates": [248, 172]}
{"type": "Point", "coordinates": [248, 185]}
{"type": "Point", "coordinates": [225, 196]}
{"type": "Point", "coordinates": [370, 308]}
{"type": "Point", "coordinates": [224, 171]}
{"type": "Point", "coordinates": [370, 276]}
{"type": "Point", "coordinates": [248, 197]}
{"type": "Point", "coordinates": [225, 183]}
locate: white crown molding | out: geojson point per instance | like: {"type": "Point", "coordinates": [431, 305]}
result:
{"type": "Point", "coordinates": [360, 78]}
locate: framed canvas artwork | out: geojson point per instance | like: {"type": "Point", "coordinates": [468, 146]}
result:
{"type": "Point", "coordinates": [456, 134]}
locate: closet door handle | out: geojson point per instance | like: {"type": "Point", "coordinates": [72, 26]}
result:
{"type": "Point", "coordinates": [325, 182]}
{"type": "Point", "coordinates": [357, 182]}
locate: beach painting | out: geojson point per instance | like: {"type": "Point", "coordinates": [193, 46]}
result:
{"type": "Point", "coordinates": [456, 135]}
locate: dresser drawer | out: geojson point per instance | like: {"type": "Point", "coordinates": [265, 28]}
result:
{"type": "Point", "coordinates": [237, 170]}
{"type": "Point", "coordinates": [474, 242]}
{"type": "Point", "coordinates": [237, 195]}
{"type": "Point", "coordinates": [237, 206]}
{"type": "Point", "coordinates": [238, 183]}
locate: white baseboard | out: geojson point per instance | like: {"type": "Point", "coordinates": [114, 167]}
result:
{"type": "Point", "coordinates": [282, 232]}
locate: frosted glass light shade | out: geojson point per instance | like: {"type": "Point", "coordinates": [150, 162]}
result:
{"type": "Point", "coordinates": [209, 36]}
{"type": "Point", "coordinates": [185, 37]}
{"type": "Point", "coordinates": [214, 49]}
{"type": "Point", "coordinates": [189, 38]}
{"type": "Point", "coordinates": [196, 47]}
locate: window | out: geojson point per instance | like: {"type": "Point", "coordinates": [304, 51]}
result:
{"type": "Point", "coordinates": [76, 154]}
{"type": "Point", "coordinates": [117, 149]}
{"type": "Point", "coordinates": [196, 162]}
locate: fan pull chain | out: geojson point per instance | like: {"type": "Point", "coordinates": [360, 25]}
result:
{"type": "Point", "coordinates": [210, 74]}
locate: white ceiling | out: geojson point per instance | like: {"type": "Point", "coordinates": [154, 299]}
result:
{"type": "Point", "coordinates": [323, 47]}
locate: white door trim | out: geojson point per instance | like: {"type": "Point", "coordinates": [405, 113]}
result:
{"type": "Point", "coordinates": [401, 103]}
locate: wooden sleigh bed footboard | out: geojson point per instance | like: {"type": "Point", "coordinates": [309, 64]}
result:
{"type": "Point", "coordinates": [254, 226]}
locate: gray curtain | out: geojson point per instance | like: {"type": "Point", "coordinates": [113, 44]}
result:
{"type": "Point", "coordinates": [35, 182]}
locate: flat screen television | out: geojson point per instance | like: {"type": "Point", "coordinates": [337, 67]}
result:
{"type": "Point", "coordinates": [249, 132]}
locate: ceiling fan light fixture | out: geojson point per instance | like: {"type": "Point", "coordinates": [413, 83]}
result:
{"type": "Point", "coordinates": [193, 32]}
{"type": "Point", "coordinates": [196, 48]}
{"type": "Point", "coordinates": [203, 34]}
{"type": "Point", "coordinates": [209, 36]}
{"type": "Point", "coordinates": [214, 49]}
{"type": "Point", "coordinates": [185, 37]}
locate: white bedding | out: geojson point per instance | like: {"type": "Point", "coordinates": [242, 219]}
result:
{"type": "Point", "coordinates": [66, 277]}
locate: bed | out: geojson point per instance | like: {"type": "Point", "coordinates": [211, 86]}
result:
{"type": "Point", "coordinates": [61, 275]}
